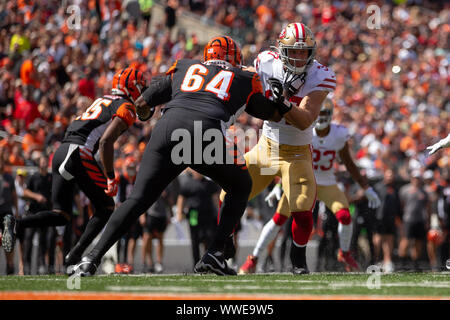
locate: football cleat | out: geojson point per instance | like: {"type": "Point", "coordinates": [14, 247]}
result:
{"type": "Point", "coordinates": [85, 268]}
{"type": "Point", "coordinates": [348, 261]}
{"type": "Point", "coordinates": [9, 236]}
{"type": "Point", "coordinates": [214, 262]}
{"type": "Point", "coordinates": [71, 258]}
{"type": "Point", "coordinates": [249, 266]}
{"type": "Point", "coordinates": [300, 270]}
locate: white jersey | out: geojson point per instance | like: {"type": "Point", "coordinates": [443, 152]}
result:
{"type": "Point", "coordinates": [325, 151]}
{"type": "Point", "coordinates": [319, 77]}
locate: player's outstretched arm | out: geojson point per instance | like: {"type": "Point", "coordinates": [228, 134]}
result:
{"type": "Point", "coordinates": [260, 107]}
{"type": "Point", "coordinates": [371, 195]}
{"type": "Point", "coordinates": [443, 143]}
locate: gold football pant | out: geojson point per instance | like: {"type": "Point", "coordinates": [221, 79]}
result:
{"type": "Point", "coordinates": [293, 164]}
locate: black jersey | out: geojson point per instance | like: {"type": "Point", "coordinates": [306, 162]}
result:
{"type": "Point", "coordinates": [88, 128]}
{"type": "Point", "coordinates": [216, 91]}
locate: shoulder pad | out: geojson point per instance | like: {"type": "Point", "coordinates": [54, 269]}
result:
{"type": "Point", "coordinates": [322, 77]}
{"type": "Point", "coordinates": [263, 63]}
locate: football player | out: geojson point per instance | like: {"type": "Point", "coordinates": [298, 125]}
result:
{"type": "Point", "coordinates": [329, 142]}
{"type": "Point", "coordinates": [291, 74]}
{"type": "Point", "coordinates": [85, 157]}
{"type": "Point", "coordinates": [203, 98]}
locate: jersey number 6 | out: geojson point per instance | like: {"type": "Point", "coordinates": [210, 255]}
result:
{"type": "Point", "coordinates": [219, 85]}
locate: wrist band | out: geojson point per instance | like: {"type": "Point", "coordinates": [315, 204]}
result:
{"type": "Point", "coordinates": [284, 107]}
{"type": "Point", "coordinates": [110, 175]}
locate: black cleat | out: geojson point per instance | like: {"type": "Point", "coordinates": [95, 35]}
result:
{"type": "Point", "coordinates": [229, 250]}
{"type": "Point", "coordinates": [300, 270]}
{"type": "Point", "coordinates": [298, 259]}
{"type": "Point", "coordinates": [85, 268]}
{"type": "Point", "coordinates": [214, 262]}
{"type": "Point", "coordinates": [71, 258]}
{"type": "Point", "coordinates": [9, 236]}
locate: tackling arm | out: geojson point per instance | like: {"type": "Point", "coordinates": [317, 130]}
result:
{"type": "Point", "coordinates": [303, 115]}
{"type": "Point", "coordinates": [260, 107]}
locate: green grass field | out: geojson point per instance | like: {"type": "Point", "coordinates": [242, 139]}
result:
{"type": "Point", "coordinates": [277, 286]}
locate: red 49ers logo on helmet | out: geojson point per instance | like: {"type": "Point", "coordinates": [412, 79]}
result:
{"type": "Point", "coordinates": [282, 34]}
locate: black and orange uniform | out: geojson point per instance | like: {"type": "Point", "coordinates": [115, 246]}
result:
{"type": "Point", "coordinates": [74, 162]}
{"type": "Point", "coordinates": [202, 99]}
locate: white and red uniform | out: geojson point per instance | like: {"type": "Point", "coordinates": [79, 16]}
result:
{"type": "Point", "coordinates": [325, 151]}
{"type": "Point", "coordinates": [319, 77]}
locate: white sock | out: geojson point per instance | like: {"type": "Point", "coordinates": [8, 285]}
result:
{"type": "Point", "coordinates": [345, 236]}
{"type": "Point", "coordinates": [268, 233]}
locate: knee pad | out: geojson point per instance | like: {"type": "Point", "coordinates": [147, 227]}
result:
{"type": "Point", "coordinates": [279, 219]}
{"type": "Point", "coordinates": [344, 217]}
{"type": "Point", "coordinates": [302, 225]}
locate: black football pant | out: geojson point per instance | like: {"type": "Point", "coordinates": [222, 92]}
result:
{"type": "Point", "coordinates": [157, 170]}
{"type": "Point", "coordinates": [74, 165]}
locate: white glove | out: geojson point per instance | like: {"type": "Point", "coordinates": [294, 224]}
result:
{"type": "Point", "coordinates": [443, 143]}
{"type": "Point", "coordinates": [275, 193]}
{"type": "Point", "coordinates": [374, 201]}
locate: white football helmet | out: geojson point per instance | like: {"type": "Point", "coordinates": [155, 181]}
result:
{"type": "Point", "coordinates": [296, 36]}
{"type": "Point", "coordinates": [325, 115]}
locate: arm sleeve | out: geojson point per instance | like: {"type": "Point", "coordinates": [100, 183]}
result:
{"type": "Point", "coordinates": [260, 107]}
{"type": "Point", "coordinates": [159, 91]}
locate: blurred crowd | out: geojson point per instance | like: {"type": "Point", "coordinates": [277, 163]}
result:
{"type": "Point", "coordinates": [392, 78]}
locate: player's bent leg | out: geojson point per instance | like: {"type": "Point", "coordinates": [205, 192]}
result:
{"type": "Point", "coordinates": [300, 188]}
{"type": "Point", "coordinates": [236, 182]}
{"type": "Point", "coordinates": [152, 179]}
{"type": "Point", "coordinates": [259, 183]}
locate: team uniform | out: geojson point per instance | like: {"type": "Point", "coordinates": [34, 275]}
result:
{"type": "Point", "coordinates": [75, 160]}
{"type": "Point", "coordinates": [325, 151]}
{"type": "Point", "coordinates": [74, 164]}
{"type": "Point", "coordinates": [293, 161]}
{"type": "Point", "coordinates": [199, 96]}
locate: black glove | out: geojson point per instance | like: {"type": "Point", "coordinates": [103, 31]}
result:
{"type": "Point", "coordinates": [277, 89]}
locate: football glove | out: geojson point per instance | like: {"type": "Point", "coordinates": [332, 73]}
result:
{"type": "Point", "coordinates": [443, 143]}
{"type": "Point", "coordinates": [283, 105]}
{"type": "Point", "coordinates": [374, 200]}
{"type": "Point", "coordinates": [277, 89]}
{"type": "Point", "coordinates": [113, 186]}
{"type": "Point", "coordinates": [274, 194]}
